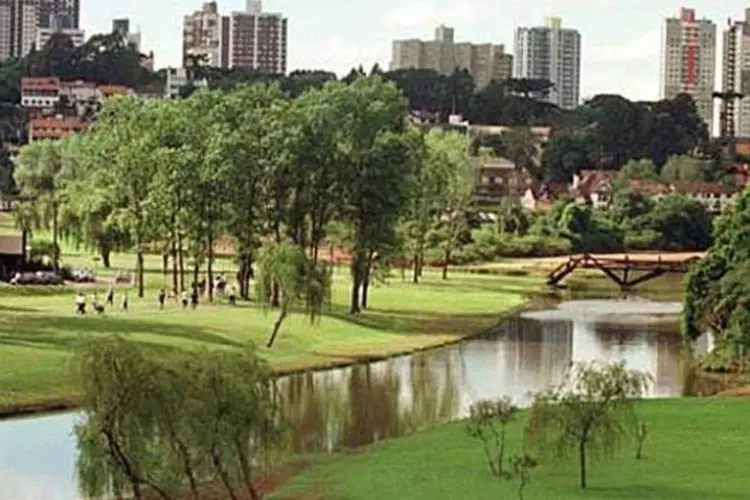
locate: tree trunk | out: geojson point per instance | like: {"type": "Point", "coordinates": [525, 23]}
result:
{"type": "Point", "coordinates": [209, 269]}
{"type": "Point", "coordinates": [105, 252]}
{"type": "Point", "coordinates": [222, 473]}
{"type": "Point", "coordinates": [244, 275]}
{"type": "Point", "coordinates": [356, 283]}
{"type": "Point", "coordinates": [55, 239]}
{"type": "Point", "coordinates": [181, 255]}
{"type": "Point", "coordinates": [164, 266]}
{"type": "Point", "coordinates": [276, 327]}
{"type": "Point", "coordinates": [582, 461]}
{"type": "Point", "coordinates": [446, 263]}
{"type": "Point", "coordinates": [196, 272]}
{"type": "Point", "coordinates": [175, 285]}
{"type": "Point", "coordinates": [366, 281]}
{"type": "Point", "coordinates": [415, 280]}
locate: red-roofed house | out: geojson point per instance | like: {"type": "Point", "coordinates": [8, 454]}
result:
{"type": "Point", "coordinates": [54, 128]}
{"type": "Point", "coordinates": [106, 91]}
{"type": "Point", "coordinates": [714, 196]}
{"type": "Point", "coordinates": [40, 93]}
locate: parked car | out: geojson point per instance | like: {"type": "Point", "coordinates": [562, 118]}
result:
{"type": "Point", "coordinates": [123, 278]}
{"type": "Point", "coordinates": [83, 276]}
{"type": "Point", "coordinates": [37, 278]}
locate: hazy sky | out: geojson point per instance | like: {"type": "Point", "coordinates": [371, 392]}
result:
{"type": "Point", "coordinates": [620, 38]}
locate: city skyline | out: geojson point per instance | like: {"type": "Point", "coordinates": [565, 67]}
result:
{"type": "Point", "coordinates": [620, 53]}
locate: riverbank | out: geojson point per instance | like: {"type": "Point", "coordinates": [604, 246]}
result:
{"type": "Point", "coordinates": [38, 332]}
{"type": "Point", "coordinates": [695, 449]}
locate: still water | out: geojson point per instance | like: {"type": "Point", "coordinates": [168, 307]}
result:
{"type": "Point", "coordinates": [349, 407]}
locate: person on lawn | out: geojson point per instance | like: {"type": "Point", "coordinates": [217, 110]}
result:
{"type": "Point", "coordinates": [162, 298]}
{"type": "Point", "coordinates": [80, 304]}
{"type": "Point", "coordinates": [184, 299]}
{"type": "Point", "coordinates": [111, 296]}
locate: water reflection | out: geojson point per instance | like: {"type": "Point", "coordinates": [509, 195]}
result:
{"type": "Point", "coordinates": [350, 407]}
{"type": "Point", "coordinates": [355, 406]}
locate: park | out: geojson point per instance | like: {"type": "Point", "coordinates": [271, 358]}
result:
{"type": "Point", "coordinates": [365, 277]}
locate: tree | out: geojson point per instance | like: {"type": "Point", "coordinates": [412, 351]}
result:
{"type": "Point", "coordinates": [40, 175]}
{"type": "Point", "coordinates": [381, 160]}
{"type": "Point", "coordinates": [298, 279]}
{"type": "Point", "coordinates": [628, 205]}
{"type": "Point", "coordinates": [456, 194]}
{"type": "Point", "coordinates": [716, 293]}
{"type": "Point", "coordinates": [250, 133]}
{"type": "Point", "coordinates": [488, 422]}
{"type": "Point", "coordinates": [127, 149]}
{"type": "Point", "coordinates": [151, 427]}
{"type": "Point", "coordinates": [640, 170]}
{"type": "Point", "coordinates": [522, 464]}
{"type": "Point", "coordinates": [522, 148]}
{"type": "Point", "coordinates": [587, 414]}
{"type": "Point", "coordinates": [114, 439]}
{"type": "Point", "coordinates": [566, 155]}
{"type": "Point", "coordinates": [529, 87]}
{"type": "Point", "coordinates": [682, 222]}
{"type": "Point", "coordinates": [686, 169]}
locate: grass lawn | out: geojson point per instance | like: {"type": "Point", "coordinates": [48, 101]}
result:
{"type": "Point", "coordinates": [696, 449]}
{"type": "Point", "coordinates": [38, 328]}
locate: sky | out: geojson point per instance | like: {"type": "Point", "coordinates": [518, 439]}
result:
{"type": "Point", "coordinates": [620, 38]}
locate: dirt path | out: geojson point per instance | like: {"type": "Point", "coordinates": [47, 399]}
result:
{"type": "Point", "coordinates": [739, 392]}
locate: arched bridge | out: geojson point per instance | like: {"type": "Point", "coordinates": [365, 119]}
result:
{"type": "Point", "coordinates": [624, 270]}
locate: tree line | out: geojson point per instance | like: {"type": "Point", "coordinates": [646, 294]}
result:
{"type": "Point", "coordinates": [285, 179]}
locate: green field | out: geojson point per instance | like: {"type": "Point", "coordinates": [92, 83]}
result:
{"type": "Point", "coordinates": [38, 327]}
{"type": "Point", "coordinates": [696, 449]}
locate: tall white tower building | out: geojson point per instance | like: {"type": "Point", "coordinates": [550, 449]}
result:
{"type": "Point", "coordinates": [689, 60]}
{"type": "Point", "coordinates": [735, 116]}
{"type": "Point", "coordinates": [552, 53]}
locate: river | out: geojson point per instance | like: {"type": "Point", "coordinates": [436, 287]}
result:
{"type": "Point", "coordinates": [348, 407]}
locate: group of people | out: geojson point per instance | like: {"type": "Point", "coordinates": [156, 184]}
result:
{"type": "Point", "coordinates": [82, 302]}
{"type": "Point", "coordinates": [186, 298]}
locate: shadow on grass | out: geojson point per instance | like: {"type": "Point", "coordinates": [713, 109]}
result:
{"type": "Point", "coordinates": [54, 332]}
{"type": "Point", "coordinates": [415, 322]}
{"type": "Point", "coordinates": [12, 309]}
{"type": "Point", "coordinates": [640, 491]}
{"type": "Point", "coordinates": [465, 286]}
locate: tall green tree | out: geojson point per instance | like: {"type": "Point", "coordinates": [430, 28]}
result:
{"type": "Point", "coordinates": [380, 162]}
{"type": "Point", "coordinates": [40, 175]}
{"type": "Point", "coordinates": [457, 196]}
{"type": "Point", "coordinates": [129, 153]}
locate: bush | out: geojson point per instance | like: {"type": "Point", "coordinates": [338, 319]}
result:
{"type": "Point", "coordinates": [43, 250]}
{"type": "Point", "coordinates": [642, 240]}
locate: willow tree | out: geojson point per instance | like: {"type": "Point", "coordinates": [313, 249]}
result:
{"type": "Point", "coordinates": [588, 414]}
{"type": "Point", "coordinates": [299, 280]}
{"type": "Point", "coordinates": [153, 427]}
{"type": "Point", "coordinates": [39, 175]}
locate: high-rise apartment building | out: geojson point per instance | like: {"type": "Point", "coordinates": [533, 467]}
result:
{"type": "Point", "coordinates": [122, 27]}
{"type": "Point", "coordinates": [552, 53]}
{"type": "Point", "coordinates": [734, 120]}
{"type": "Point", "coordinates": [249, 39]}
{"type": "Point", "coordinates": [688, 61]}
{"type": "Point", "coordinates": [257, 40]}
{"type": "Point", "coordinates": [485, 62]}
{"type": "Point", "coordinates": [62, 14]}
{"type": "Point", "coordinates": [202, 36]}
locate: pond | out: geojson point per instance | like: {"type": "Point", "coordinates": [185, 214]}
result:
{"type": "Point", "coordinates": [348, 407]}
